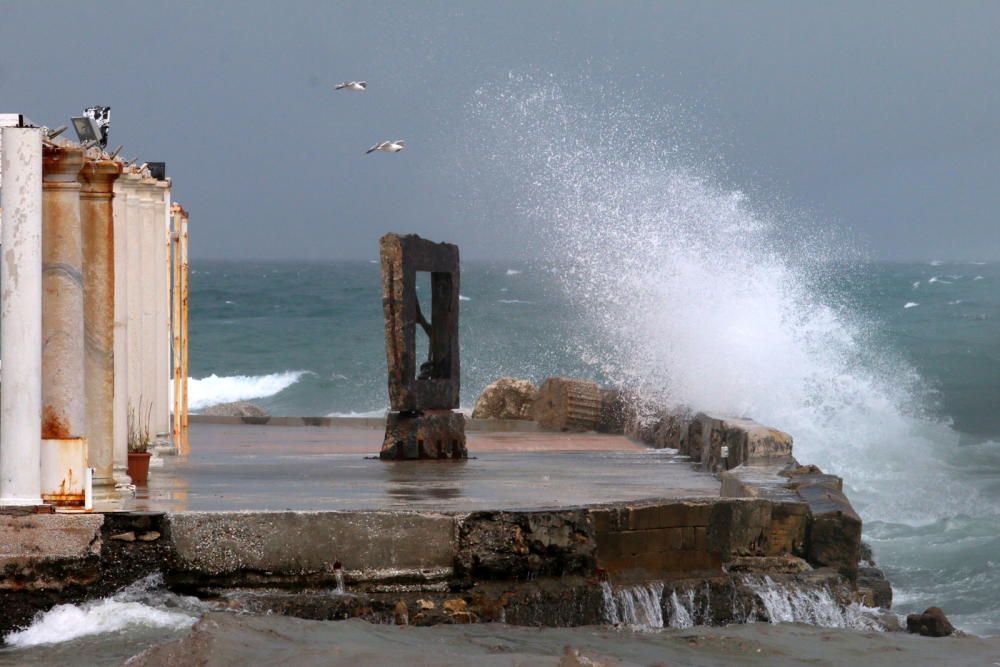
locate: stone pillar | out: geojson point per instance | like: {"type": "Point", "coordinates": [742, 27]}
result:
{"type": "Point", "coordinates": [147, 269]}
{"type": "Point", "coordinates": [63, 404]}
{"type": "Point", "coordinates": [133, 294]}
{"type": "Point", "coordinates": [21, 317]}
{"type": "Point", "coordinates": [422, 393]}
{"type": "Point", "coordinates": [97, 224]}
{"type": "Point", "coordinates": [121, 389]}
{"type": "Point", "coordinates": [161, 413]}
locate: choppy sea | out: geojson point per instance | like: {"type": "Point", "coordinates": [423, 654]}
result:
{"type": "Point", "coordinates": [651, 273]}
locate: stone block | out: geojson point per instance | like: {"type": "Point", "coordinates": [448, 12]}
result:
{"type": "Point", "coordinates": [506, 398]}
{"type": "Point", "coordinates": [427, 435]}
{"type": "Point", "coordinates": [565, 404]}
{"type": "Point", "coordinates": [726, 443]}
{"type": "Point", "coordinates": [232, 546]}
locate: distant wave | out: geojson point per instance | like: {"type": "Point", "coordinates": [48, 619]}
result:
{"type": "Point", "coordinates": [512, 272]}
{"type": "Point", "coordinates": [911, 304]}
{"type": "Point", "coordinates": [978, 278]}
{"type": "Point", "coordinates": [935, 279]}
{"type": "Point", "coordinates": [514, 301]}
{"type": "Point", "coordinates": [916, 284]}
{"type": "Point", "coordinates": [371, 414]}
{"type": "Point", "coordinates": [935, 262]}
{"type": "Point", "coordinates": [462, 297]}
{"type": "Point", "coordinates": [213, 389]}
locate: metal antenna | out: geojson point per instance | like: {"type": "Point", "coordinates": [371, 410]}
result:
{"type": "Point", "coordinates": [52, 134]}
{"type": "Point", "coordinates": [116, 152]}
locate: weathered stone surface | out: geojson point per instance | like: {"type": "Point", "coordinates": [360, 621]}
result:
{"type": "Point", "coordinates": [566, 404]}
{"type": "Point", "coordinates": [35, 546]}
{"type": "Point", "coordinates": [235, 409]}
{"type": "Point", "coordinates": [428, 435]}
{"type": "Point", "coordinates": [931, 623]}
{"type": "Point", "coordinates": [417, 384]}
{"type": "Point", "coordinates": [506, 398]}
{"type": "Point", "coordinates": [724, 442]}
{"type": "Point", "coordinates": [515, 545]}
{"type": "Point", "coordinates": [873, 588]}
{"type": "Point", "coordinates": [287, 544]}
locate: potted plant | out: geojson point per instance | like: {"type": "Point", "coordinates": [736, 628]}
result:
{"type": "Point", "coordinates": [138, 445]}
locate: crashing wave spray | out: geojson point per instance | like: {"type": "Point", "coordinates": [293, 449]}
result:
{"type": "Point", "coordinates": [689, 293]}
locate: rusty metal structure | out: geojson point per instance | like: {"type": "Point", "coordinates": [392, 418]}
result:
{"type": "Point", "coordinates": [94, 274]}
{"type": "Point", "coordinates": [423, 395]}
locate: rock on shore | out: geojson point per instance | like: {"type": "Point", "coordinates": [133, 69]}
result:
{"type": "Point", "coordinates": [235, 409]}
{"type": "Point", "coordinates": [507, 398]}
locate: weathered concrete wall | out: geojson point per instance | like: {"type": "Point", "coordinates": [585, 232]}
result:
{"type": "Point", "coordinates": [228, 546]}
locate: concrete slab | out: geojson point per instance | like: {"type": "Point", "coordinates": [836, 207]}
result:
{"type": "Point", "coordinates": [250, 467]}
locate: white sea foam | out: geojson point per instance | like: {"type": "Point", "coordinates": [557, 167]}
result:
{"type": "Point", "coordinates": [371, 414]}
{"type": "Point", "coordinates": [212, 390]}
{"type": "Point", "coordinates": [916, 284]}
{"type": "Point", "coordinates": [691, 292]}
{"type": "Point", "coordinates": [911, 304]}
{"type": "Point", "coordinates": [462, 297]}
{"type": "Point", "coordinates": [139, 605]}
{"type": "Point", "coordinates": [978, 278]}
{"type": "Point", "coordinates": [937, 279]}
{"type": "Point", "coordinates": [512, 272]}
{"type": "Point", "coordinates": [514, 301]}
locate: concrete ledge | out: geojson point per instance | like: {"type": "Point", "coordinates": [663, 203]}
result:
{"type": "Point", "coordinates": [302, 543]}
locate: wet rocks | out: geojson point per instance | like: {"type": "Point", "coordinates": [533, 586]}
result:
{"type": "Point", "coordinates": [931, 623]}
{"type": "Point", "coordinates": [722, 443]}
{"type": "Point", "coordinates": [517, 545]}
{"type": "Point", "coordinates": [235, 409]}
{"type": "Point", "coordinates": [873, 588]}
{"type": "Point", "coordinates": [506, 398]}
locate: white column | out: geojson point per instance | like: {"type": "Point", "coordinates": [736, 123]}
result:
{"type": "Point", "coordinates": [133, 294]}
{"type": "Point", "coordinates": [21, 318]}
{"type": "Point", "coordinates": [119, 212]}
{"type": "Point", "coordinates": [63, 393]}
{"type": "Point", "coordinates": [162, 410]}
{"type": "Point", "coordinates": [148, 265]}
{"type": "Point", "coordinates": [97, 179]}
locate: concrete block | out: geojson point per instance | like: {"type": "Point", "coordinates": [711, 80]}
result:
{"type": "Point", "coordinates": [294, 543]}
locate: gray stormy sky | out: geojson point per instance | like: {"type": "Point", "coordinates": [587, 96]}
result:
{"type": "Point", "coordinates": [883, 118]}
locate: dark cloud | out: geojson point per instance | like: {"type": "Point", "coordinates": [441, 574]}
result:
{"type": "Point", "coordinates": [881, 117]}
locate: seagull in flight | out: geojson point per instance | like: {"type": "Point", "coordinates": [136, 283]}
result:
{"type": "Point", "coordinates": [358, 86]}
{"type": "Point", "coordinates": [388, 146]}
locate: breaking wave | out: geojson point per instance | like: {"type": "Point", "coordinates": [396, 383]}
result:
{"type": "Point", "coordinates": [213, 389]}
{"type": "Point", "coordinates": [142, 604]}
{"type": "Point", "coordinates": [692, 292]}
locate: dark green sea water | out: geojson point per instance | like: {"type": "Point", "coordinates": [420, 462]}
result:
{"type": "Point", "coordinates": [911, 420]}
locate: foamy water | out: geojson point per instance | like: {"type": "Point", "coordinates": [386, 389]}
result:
{"type": "Point", "coordinates": [212, 390]}
{"type": "Point", "coordinates": [143, 605]}
{"type": "Point", "coordinates": [691, 292]}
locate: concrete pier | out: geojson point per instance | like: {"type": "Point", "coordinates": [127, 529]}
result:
{"type": "Point", "coordinates": [21, 318]}
{"type": "Point", "coordinates": [97, 222]}
{"type": "Point", "coordinates": [63, 392]}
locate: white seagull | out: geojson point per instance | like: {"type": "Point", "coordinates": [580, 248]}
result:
{"type": "Point", "coordinates": [388, 146]}
{"type": "Point", "coordinates": [352, 85]}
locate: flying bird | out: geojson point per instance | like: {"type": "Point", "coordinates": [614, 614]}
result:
{"type": "Point", "coordinates": [352, 85]}
{"type": "Point", "coordinates": [388, 146]}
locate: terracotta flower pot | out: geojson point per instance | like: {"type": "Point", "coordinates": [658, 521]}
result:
{"type": "Point", "coordinates": [138, 467]}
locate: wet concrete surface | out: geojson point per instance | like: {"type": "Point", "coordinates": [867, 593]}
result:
{"type": "Point", "coordinates": [247, 467]}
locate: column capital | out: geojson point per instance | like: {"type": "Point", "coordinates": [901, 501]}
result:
{"type": "Point", "coordinates": [61, 163]}
{"type": "Point", "coordinates": [99, 176]}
